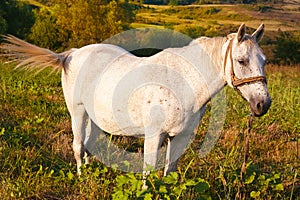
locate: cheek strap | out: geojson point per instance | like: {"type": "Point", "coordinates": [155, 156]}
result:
{"type": "Point", "coordinates": [235, 81]}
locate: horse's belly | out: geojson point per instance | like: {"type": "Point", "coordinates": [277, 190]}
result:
{"type": "Point", "coordinates": [148, 110]}
{"type": "Point", "coordinates": [130, 101]}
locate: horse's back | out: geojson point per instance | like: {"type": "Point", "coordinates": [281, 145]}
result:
{"type": "Point", "coordinates": [122, 92]}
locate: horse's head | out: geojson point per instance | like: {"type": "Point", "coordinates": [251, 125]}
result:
{"type": "Point", "coordinates": [244, 64]}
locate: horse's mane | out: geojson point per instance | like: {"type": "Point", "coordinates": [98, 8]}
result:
{"type": "Point", "coordinates": [212, 46]}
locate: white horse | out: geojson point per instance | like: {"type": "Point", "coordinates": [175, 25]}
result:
{"type": "Point", "coordinates": [98, 81]}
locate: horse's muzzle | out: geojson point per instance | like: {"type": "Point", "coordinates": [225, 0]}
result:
{"type": "Point", "coordinates": [259, 107]}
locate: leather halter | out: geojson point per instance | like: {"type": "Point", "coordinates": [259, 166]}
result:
{"type": "Point", "coordinates": [235, 81]}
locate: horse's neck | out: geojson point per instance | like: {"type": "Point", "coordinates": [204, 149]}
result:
{"type": "Point", "coordinates": [213, 47]}
{"type": "Point", "coordinates": [211, 67]}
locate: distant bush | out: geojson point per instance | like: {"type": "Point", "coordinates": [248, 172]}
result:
{"type": "Point", "coordinates": [198, 13]}
{"type": "Point", "coordinates": [192, 12]}
{"type": "Point", "coordinates": [63, 25]}
{"type": "Point", "coordinates": [194, 31]}
{"type": "Point", "coordinates": [45, 32]}
{"type": "Point", "coordinates": [16, 18]}
{"type": "Point", "coordinates": [287, 48]}
{"type": "Point", "coordinates": [211, 10]}
{"type": "Point", "coordinates": [3, 25]}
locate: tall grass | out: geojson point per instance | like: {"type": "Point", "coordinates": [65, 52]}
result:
{"type": "Point", "coordinates": [37, 159]}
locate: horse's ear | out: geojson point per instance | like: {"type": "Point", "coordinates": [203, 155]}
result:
{"type": "Point", "coordinates": [241, 32]}
{"type": "Point", "coordinates": [258, 34]}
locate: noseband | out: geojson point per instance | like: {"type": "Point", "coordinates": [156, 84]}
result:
{"type": "Point", "coordinates": [235, 81]}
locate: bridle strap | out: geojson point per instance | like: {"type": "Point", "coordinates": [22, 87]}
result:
{"type": "Point", "coordinates": [239, 82]}
{"type": "Point", "coordinates": [234, 80]}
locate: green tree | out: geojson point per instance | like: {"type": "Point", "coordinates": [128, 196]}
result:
{"type": "Point", "coordinates": [45, 33]}
{"type": "Point", "coordinates": [194, 31]}
{"type": "Point", "coordinates": [75, 23]}
{"type": "Point", "coordinates": [3, 24]}
{"type": "Point", "coordinates": [173, 2]}
{"type": "Point", "coordinates": [15, 18]}
{"type": "Point", "coordinates": [287, 48]}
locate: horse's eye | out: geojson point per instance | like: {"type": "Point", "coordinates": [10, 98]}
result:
{"type": "Point", "coordinates": [242, 62]}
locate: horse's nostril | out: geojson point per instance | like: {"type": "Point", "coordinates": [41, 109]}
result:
{"type": "Point", "coordinates": [259, 106]}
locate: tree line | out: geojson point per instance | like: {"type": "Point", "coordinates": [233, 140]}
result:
{"type": "Point", "coordinates": [62, 24]}
{"type": "Point", "coordinates": [186, 2]}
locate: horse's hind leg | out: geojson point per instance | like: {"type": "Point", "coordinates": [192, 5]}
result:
{"type": "Point", "coordinates": [88, 134]}
{"type": "Point", "coordinates": [175, 148]}
{"type": "Point", "coordinates": [79, 123]}
{"type": "Point", "coordinates": [92, 135]}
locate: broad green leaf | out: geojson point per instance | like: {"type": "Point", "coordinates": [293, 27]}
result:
{"type": "Point", "coordinates": [261, 178]}
{"type": "Point", "coordinates": [163, 189]}
{"type": "Point", "coordinates": [140, 193]}
{"type": "Point", "coordinates": [148, 196]}
{"type": "Point", "coordinates": [276, 176]}
{"type": "Point", "coordinates": [190, 183]}
{"type": "Point", "coordinates": [202, 186]}
{"type": "Point", "coordinates": [104, 170]}
{"type": "Point", "coordinates": [70, 175]}
{"type": "Point", "coordinates": [119, 195]}
{"type": "Point", "coordinates": [205, 197]}
{"type": "Point", "coordinates": [121, 180]}
{"type": "Point", "coordinates": [279, 187]}
{"type": "Point", "coordinates": [255, 194]}
{"type": "Point", "coordinates": [136, 184]}
{"type": "Point", "coordinates": [39, 120]}
{"type": "Point", "coordinates": [61, 173]}
{"type": "Point", "coordinates": [166, 197]}
{"type": "Point", "coordinates": [2, 131]}
{"type": "Point", "coordinates": [51, 172]}
{"type": "Point", "coordinates": [250, 179]}
{"type": "Point", "coordinates": [172, 178]}
{"type": "Point", "coordinates": [177, 190]}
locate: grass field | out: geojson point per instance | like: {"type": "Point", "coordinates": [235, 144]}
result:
{"type": "Point", "coordinates": [36, 157]}
{"type": "Point", "coordinates": [37, 160]}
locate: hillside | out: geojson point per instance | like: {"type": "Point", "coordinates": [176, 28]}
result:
{"type": "Point", "coordinates": [281, 20]}
{"type": "Point", "coordinates": [285, 17]}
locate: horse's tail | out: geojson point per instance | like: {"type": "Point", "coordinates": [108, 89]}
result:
{"type": "Point", "coordinates": [30, 56]}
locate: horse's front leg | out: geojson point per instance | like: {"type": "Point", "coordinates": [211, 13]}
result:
{"type": "Point", "coordinates": [175, 148]}
{"type": "Point", "coordinates": [177, 144]}
{"type": "Point", "coordinates": [152, 146]}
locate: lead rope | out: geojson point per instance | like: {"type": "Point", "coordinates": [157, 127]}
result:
{"type": "Point", "coordinates": [246, 155]}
